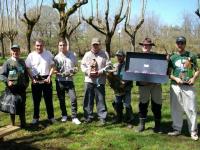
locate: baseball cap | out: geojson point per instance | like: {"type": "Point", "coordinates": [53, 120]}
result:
{"type": "Point", "coordinates": [181, 39]}
{"type": "Point", "coordinates": [120, 53]}
{"type": "Point", "coordinates": [147, 41]}
{"type": "Point", "coordinates": [95, 41]}
{"type": "Point", "coordinates": [15, 46]}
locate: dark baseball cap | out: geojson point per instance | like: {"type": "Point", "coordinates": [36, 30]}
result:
{"type": "Point", "coordinates": [120, 53]}
{"type": "Point", "coordinates": [15, 46]}
{"type": "Point", "coordinates": [181, 39]}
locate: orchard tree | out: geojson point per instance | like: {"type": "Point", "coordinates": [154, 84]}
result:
{"type": "Point", "coordinates": [11, 22]}
{"type": "Point", "coordinates": [67, 25]}
{"type": "Point", "coordinates": [103, 26]}
{"type": "Point", "coordinates": [130, 29]}
{"type": "Point", "coordinates": [30, 18]}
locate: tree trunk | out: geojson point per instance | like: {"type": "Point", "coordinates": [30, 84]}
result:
{"type": "Point", "coordinates": [133, 42]}
{"type": "Point", "coordinates": [28, 37]}
{"type": "Point", "coordinates": [108, 43]}
{"type": "Point", "coordinates": [3, 50]}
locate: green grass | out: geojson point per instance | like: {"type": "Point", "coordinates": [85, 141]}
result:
{"type": "Point", "coordinates": [91, 136]}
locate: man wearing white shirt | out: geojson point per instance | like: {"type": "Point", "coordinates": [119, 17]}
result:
{"type": "Point", "coordinates": [40, 67]}
{"type": "Point", "coordinates": [66, 62]}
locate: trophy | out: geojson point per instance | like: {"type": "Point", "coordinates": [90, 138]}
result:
{"type": "Point", "coordinates": [186, 71]}
{"type": "Point", "coordinates": [94, 68]}
{"type": "Point", "coordinates": [13, 76]}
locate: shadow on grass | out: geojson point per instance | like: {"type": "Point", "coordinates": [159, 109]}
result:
{"type": "Point", "coordinates": [12, 145]}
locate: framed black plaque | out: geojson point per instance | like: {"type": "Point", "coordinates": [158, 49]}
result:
{"type": "Point", "coordinates": [148, 67]}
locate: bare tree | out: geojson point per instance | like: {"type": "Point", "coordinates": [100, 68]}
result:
{"type": "Point", "coordinates": [66, 26]}
{"type": "Point", "coordinates": [103, 26]}
{"type": "Point", "coordinates": [198, 9]}
{"type": "Point", "coordinates": [31, 20]}
{"type": "Point", "coordinates": [132, 30]}
{"type": "Point", "coordinates": [12, 10]}
{"type": "Point", "coordinates": [2, 33]}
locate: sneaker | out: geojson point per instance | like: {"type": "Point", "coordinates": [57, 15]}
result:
{"type": "Point", "coordinates": [76, 121]}
{"type": "Point", "coordinates": [64, 118]}
{"type": "Point", "coordinates": [174, 133]}
{"type": "Point", "coordinates": [35, 121]}
{"type": "Point", "coordinates": [52, 120]}
{"type": "Point", "coordinates": [194, 136]}
{"type": "Point", "coordinates": [102, 122]}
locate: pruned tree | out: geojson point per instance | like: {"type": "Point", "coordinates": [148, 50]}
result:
{"type": "Point", "coordinates": [65, 24]}
{"type": "Point", "coordinates": [2, 33]}
{"type": "Point", "coordinates": [130, 29]}
{"type": "Point", "coordinates": [198, 9]}
{"type": "Point", "coordinates": [12, 10]}
{"type": "Point", "coordinates": [30, 19]}
{"type": "Point", "coordinates": [103, 26]}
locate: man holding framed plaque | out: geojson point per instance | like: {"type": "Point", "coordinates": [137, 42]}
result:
{"type": "Point", "coordinates": [149, 91]}
{"type": "Point", "coordinates": [183, 70]}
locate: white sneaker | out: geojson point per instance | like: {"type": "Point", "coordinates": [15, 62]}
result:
{"type": "Point", "coordinates": [52, 120]}
{"type": "Point", "coordinates": [35, 121]}
{"type": "Point", "coordinates": [64, 118]}
{"type": "Point", "coordinates": [76, 121]}
{"type": "Point", "coordinates": [194, 136]}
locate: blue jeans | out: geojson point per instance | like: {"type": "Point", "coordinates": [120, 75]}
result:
{"type": "Point", "coordinates": [92, 91]}
{"type": "Point", "coordinates": [61, 88]}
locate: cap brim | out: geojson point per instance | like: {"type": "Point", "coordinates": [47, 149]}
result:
{"type": "Point", "coordinates": [95, 43]}
{"type": "Point", "coordinates": [15, 48]}
{"type": "Point", "coordinates": [152, 44]}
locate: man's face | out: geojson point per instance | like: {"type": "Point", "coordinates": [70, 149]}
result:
{"type": "Point", "coordinates": [180, 46]}
{"type": "Point", "coordinates": [146, 48]}
{"type": "Point", "coordinates": [15, 53]}
{"type": "Point", "coordinates": [39, 46]}
{"type": "Point", "coordinates": [120, 58]}
{"type": "Point", "coordinates": [62, 46]}
{"type": "Point", "coordinates": [96, 47]}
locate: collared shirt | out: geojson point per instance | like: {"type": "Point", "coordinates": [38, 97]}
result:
{"type": "Point", "coordinates": [102, 59]}
{"type": "Point", "coordinates": [65, 63]}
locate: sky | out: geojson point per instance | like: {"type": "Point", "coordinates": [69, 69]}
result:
{"type": "Point", "coordinates": [170, 11]}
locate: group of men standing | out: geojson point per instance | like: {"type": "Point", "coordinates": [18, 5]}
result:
{"type": "Point", "coordinates": [40, 65]}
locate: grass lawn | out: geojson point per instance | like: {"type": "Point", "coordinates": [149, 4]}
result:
{"type": "Point", "coordinates": [91, 136]}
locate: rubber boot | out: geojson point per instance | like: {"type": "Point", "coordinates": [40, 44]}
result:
{"type": "Point", "coordinates": [141, 125]}
{"type": "Point", "coordinates": [129, 117]}
{"type": "Point", "coordinates": [22, 120]}
{"type": "Point", "coordinates": [157, 126]}
{"type": "Point", "coordinates": [118, 107]}
{"type": "Point", "coordinates": [12, 117]}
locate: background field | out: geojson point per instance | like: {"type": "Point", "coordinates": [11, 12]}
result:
{"type": "Point", "coordinates": [91, 136]}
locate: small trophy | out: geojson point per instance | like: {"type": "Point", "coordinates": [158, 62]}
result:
{"type": "Point", "coordinates": [186, 71]}
{"type": "Point", "coordinates": [94, 71]}
{"type": "Point", "coordinates": [13, 76]}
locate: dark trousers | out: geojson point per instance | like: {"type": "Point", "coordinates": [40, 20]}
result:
{"type": "Point", "coordinates": [156, 109]}
{"type": "Point", "coordinates": [37, 91]}
{"type": "Point", "coordinates": [61, 88]}
{"type": "Point", "coordinates": [22, 108]}
{"type": "Point", "coordinates": [92, 91]}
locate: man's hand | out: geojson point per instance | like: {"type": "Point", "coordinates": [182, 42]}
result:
{"type": "Point", "coordinates": [48, 80]}
{"type": "Point", "coordinates": [191, 81]}
{"type": "Point", "coordinates": [94, 74]}
{"type": "Point", "coordinates": [10, 83]}
{"type": "Point", "coordinates": [178, 80]}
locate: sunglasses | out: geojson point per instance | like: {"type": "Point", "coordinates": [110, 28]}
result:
{"type": "Point", "coordinates": [180, 43]}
